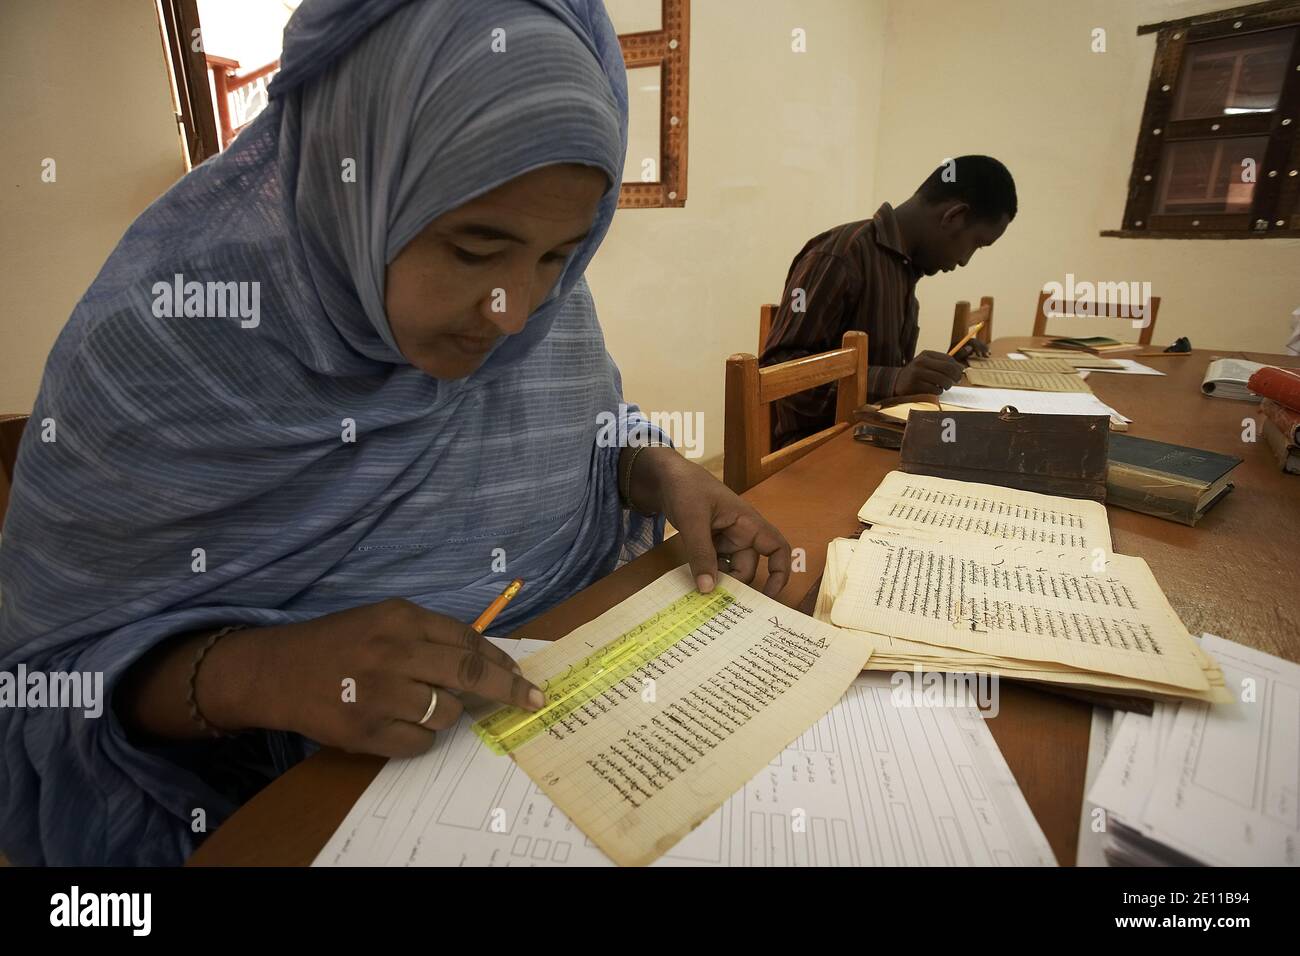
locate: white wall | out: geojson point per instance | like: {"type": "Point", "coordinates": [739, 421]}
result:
{"type": "Point", "coordinates": [781, 146]}
{"type": "Point", "coordinates": [83, 82]}
{"type": "Point", "coordinates": [1016, 79]}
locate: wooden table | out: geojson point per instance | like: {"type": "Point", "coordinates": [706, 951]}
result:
{"type": "Point", "coordinates": [1234, 574]}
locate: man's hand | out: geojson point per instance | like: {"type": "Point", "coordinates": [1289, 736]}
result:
{"type": "Point", "coordinates": [972, 349]}
{"type": "Point", "coordinates": [929, 373]}
{"type": "Point", "coordinates": [711, 518]}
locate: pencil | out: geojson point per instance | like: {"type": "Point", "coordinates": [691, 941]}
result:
{"type": "Point", "coordinates": [1162, 354]}
{"type": "Point", "coordinates": [497, 606]}
{"type": "Point", "coordinates": [969, 335]}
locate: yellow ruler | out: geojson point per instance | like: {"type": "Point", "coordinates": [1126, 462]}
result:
{"type": "Point", "coordinates": [510, 728]}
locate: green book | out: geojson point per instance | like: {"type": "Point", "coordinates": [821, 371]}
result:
{"type": "Point", "coordinates": [1093, 344]}
{"type": "Point", "coordinates": [1093, 340]}
{"type": "Point", "coordinates": [1173, 482]}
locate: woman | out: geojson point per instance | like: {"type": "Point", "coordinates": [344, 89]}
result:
{"type": "Point", "coordinates": [402, 416]}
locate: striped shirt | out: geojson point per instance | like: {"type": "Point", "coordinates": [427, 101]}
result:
{"type": "Point", "coordinates": [855, 276]}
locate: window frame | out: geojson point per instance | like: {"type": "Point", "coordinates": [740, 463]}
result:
{"type": "Point", "coordinates": [668, 48]}
{"type": "Point", "coordinates": [1275, 197]}
{"type": "Point", "coordinates": [178, 22]}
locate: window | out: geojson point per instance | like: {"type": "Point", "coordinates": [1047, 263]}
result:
{"type": "Point", "coordinates": [183, 45]}
{"type": "Point", "coordinates": [654, 35]}
{"type": "Point", "coordinates": [221, 67]}
{"type": "Point", "coordinates": [223, 54]}
{"type": "Point", "coordinates": [1217, 155]}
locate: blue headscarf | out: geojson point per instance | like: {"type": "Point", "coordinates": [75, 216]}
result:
{"type": "Point", "coordinates": [188, 473]}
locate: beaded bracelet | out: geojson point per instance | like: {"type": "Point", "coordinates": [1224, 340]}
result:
{"type": "Point", "coordinates": [194, 673]}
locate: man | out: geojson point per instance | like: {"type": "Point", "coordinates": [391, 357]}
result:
{"type": "Point", "coordinates": [862, 275]}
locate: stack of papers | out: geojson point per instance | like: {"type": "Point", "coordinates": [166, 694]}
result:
{"type": "Point", "coordinates": [1069, 381]}
{"type": "Point", "coordinates": [1075, 359]}
{"type": "Point", "coordinates": [1211, 785]}
{"type": "Point", "coordinates": [1122, 366]}
{"type": "Point", "coordinates": [1092, 819]}
{"type": "Point", "coordinates": [1129, 366]}
{"type": "Point", "coordinates": [963, 398]}
{"type": "Point", "coordinates": [872, 783]}
{"type": "Point", "coordinates": [962, 576]}
{"type": "Point", "coordinates": [1019, 363]}
{"type": "Point", "coordinates": [1029, 402]}
{"type": "Point", "coordinates": [662, 707]}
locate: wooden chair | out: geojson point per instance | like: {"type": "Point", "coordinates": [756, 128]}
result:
{"type": "Point", "coordinates": [963, 317]}
{"type": "Point", "coordinates": [747, 456]}
{"type": "Point", "coordinates": [11, 433]}
{"type": "Point", "coordinates": [1112, 312]}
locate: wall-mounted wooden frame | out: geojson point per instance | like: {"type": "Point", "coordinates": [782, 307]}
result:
{"type": "Point", "coordinates": [1275, 203]}
{"type": "Point", "coordinates": [178, 22]}
{"type": "Point", "coordinates": [669, 49]}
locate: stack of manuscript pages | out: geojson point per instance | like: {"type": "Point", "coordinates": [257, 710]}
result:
{"type": "Point", "coordinates": [960, 576]}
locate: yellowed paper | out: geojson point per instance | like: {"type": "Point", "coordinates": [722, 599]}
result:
{"type": "Point", "coordinates": [1074, 359]}
{"type": "Point", "coordinates": [1034, 381]}
{"type": "Point", "coordinates": [903, 409]}
{"type": "Point", "coordinates": [1022, 365]}
{"type": "Point", "coordinates": [995, 599]}
{"type": "Point", "coordinates": [894, 653]}
{"type": "Point", "coordinates": [639, 766]}
{"type": "Point", "coordinates": [920, 504]}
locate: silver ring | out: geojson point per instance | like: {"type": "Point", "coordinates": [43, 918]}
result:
{"type": "Point", "coordinates": [725, 560]}
{"type": "Point", "coordinates": [433, 702]}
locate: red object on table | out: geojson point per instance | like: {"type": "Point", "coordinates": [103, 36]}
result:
{"type": "Point", "coordinates": [1278, 384]}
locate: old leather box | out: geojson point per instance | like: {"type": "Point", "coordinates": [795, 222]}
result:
{"type": "Point", "coordinates": [1050, 454]}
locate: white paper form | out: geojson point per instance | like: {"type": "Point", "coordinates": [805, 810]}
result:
{"type": "Point", "coordinates": [869, 784]}
{"type": "Point", "coordinates": [1038, 403]}
{"type": "Point", "coordinates": [1130, 367]}
{"type": "Point", "coordinates": [1089, 851]}
{"type": "Point", "coordinates": [1216, 784]}
{"type": "Point", "coordinates": [1228, 789]}
{"type": "Point", "coordinates": [1120, 366]}
{"type": "Point", "coordinates": [1128, 772]}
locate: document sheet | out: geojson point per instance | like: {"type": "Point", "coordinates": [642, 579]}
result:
{"type": "Point", "coordinates": [1215, 783]}
{"type": "Point", "coordinates": [1012, 363]}
{"type": "Point", "coordinates": [638, 763]}
{"type": "Point", "coordinates": [892, 653]}
{"type": "Point", "coordinates": [869, 784]}
{"type": "Point", "coordinates": [1129, 367]}
{"type": "Point", "coordinates": [920, 504]}
{"type": "Point", "coordinates": [1027, 401]}
{"type": "Point", "coordinates": [1092, 821]}
{"type": "Point", "coordinates": [985, 596]}
{"type": "Point", "coordinates": [1036, 381]}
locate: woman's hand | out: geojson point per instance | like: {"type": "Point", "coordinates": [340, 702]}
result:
{"type": "Point", "coordinates": [395, 653]}
{"type": "Point", "coordinates": [711, 518]}
{"type": "Point", "coordinates": [360, 679]}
